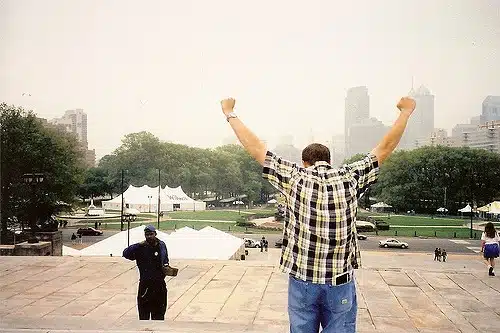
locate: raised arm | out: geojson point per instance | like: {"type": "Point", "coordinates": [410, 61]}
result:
{"type": "Point", "coordinates": [391, 139]}
{"type": "Point", "coordinates": [252, 144]}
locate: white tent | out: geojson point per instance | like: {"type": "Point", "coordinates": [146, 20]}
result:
{"type": "Point", "coordinates": [381, 205]}
{"type": "Point", "coordinates": [272, 201]}
{"type": "Point", "coordinates": [185, 243]}
{"type": "Point", "coordinates": [466, 209]}
{"type": "Point", "coordinates": [145, 199]}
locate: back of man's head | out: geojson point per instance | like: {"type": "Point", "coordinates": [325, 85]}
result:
{"type": "Point", "coordinates": [315, 152]}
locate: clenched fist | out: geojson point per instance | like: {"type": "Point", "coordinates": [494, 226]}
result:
{"type": "Point", "coordinates": [406, 104]}
{"type": "Point", "coordinates": [227, 105]}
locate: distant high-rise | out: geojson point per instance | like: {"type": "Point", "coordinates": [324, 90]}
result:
{"type": "Point", "coordinates": [75, 121]}
{"type": "Point", "coordinates": [421, 123]}
{"type": "Point", "coordinates": [491, 109]}
{"type": "Point", "coordinates": [365, 135]}
{"type": "Point", "coordinates": [357, 109]}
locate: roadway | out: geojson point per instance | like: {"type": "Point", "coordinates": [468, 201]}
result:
{"type": "Point", "coordinates": [371, 244]}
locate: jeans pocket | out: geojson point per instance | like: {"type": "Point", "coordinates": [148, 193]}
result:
{"type": "Point", "coordinates": [297, 292]}
{"type": "Point", "coordinates": [341, 298]}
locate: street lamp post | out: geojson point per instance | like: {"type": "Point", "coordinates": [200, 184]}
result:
{"type": "Point", "coordinates": [33, 179]}
{"type": "Point", "coordinates": [121, 215]}
{"type": "Point", "coordinates": [159, 195]}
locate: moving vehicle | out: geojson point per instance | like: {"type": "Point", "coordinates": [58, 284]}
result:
{"type": "Point", "coordinates": [392, 242]}
{"type": "Point", "coordinates": [362, 237]}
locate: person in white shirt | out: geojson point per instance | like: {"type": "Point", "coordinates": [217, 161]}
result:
{"type": "Point", "coordinates": [489, 246]}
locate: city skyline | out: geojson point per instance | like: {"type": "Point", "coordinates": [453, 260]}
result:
{"type": "Point", "coordinates": [163, 68]}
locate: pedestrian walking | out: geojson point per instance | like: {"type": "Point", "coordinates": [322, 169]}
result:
{"type": "Point", "coordinates": [490, 247]}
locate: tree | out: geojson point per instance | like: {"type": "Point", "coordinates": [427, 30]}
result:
{"type": "Point", "coordinates": [29, 146]}
{"type": "Point", "coordinates": [96, 183]}
{"type": "Point", "coordinates": [418, 179]}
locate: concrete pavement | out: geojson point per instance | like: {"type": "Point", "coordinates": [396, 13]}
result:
{"type": "Point", "coordinates": [404, 292]}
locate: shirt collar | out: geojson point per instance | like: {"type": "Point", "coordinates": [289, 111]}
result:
{"type": "Point", "coordinates": [320, 164]}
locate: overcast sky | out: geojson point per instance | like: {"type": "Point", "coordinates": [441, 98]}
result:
{"type": "Point", "coordinates": [163, 66]}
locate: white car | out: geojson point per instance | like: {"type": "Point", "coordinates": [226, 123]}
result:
{"type": "Point", "coordinates": [392, 242]}
{"type": "Point", "coordinates": [251, 243]}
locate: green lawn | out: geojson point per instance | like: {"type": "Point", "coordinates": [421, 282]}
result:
{"type": "Point", "coordinates": [421, 220]}
{"type": "Point", "coordinates": [172, 225]}
{"type": "Point", "coordinates": [221, 215]}
{"type": "Point", "coordinates": [429, 232]}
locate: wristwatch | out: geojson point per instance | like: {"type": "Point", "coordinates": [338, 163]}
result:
{"type": "Point", "coordinates": [231, 115]}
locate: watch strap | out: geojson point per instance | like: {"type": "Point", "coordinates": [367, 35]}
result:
{"type": "Point", "coordinates": [231, 115]}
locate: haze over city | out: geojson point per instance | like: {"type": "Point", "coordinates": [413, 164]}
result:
{"type": "Point", "coordinates": [163, 66]}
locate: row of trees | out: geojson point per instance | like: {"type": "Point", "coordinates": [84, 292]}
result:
{"type": "Point", "coordinates": [427, 178]}
{"type": "Point", "coordinates": [222, 172]}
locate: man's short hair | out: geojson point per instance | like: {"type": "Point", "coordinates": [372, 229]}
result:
{"type": "Point", "coordinates": [316, 152]}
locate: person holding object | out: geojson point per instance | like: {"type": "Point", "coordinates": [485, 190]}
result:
{"type": "Point", "coordinates": [320, 247]}
{"type": "Point", "coordinates": [490, 247]}
{"type": "Point", "coordinates": [151, 256]}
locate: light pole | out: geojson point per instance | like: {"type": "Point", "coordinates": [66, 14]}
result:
{"type": "Point", "coordinates": [33, 179]}
{"type": "Point", "coordinates": [121, 215]}
{"type": "Point", "coordinates": [159, 195]}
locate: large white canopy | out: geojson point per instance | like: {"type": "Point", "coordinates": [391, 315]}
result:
{"type": "Point", "coordinates": [492, 208]}
{"type": "Point", "coordinates": [185, 243]}
{"type": "Point", "coordinates": [381, 205]}
{"type": "Point", "coordinates": [466, 209]}
{"type": "Point", "coordinates": [145, 199]}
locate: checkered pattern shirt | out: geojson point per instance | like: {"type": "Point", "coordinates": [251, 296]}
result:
{"type": "Point", "coordinates": [319, 236]}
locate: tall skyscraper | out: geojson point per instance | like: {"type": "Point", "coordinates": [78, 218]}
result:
{"type": "Point", "coordinates": [75, 121]}
{"type": "Point", "coordinates": [365, 135]}
{"type": "Point", "coordinates": [421, 123]}
{"type": "Point", "coordinates": [491, 109]}
{"type": "Point", "coordinates": [357, 109]}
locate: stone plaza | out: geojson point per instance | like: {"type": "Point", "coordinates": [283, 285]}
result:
{"type": "Point", "coordinates": [397, 292]}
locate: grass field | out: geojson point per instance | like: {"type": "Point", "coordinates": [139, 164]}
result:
{"type": "Point", "coordinates": [197, 221]}
{"type": "Point", "coordinates": [429, 232]}
{"type": "Point", "coordinates": [421, 221]}
{"type": "Point", "coordinates": [172, 225]}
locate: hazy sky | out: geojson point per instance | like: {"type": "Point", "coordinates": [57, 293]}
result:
{"type": "Point", "coordinates": [163, 66]}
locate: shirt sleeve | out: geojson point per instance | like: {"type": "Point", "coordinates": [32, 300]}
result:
{"type": "Point", "coordinates": [278, 171]}
{"type": "Point", "coordinates": [365, 172]}
{"type": "Point", "coordinates": [130, 251]}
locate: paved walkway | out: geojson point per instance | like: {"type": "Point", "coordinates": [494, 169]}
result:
{"type": "Point", "coordinates": [397, 293]}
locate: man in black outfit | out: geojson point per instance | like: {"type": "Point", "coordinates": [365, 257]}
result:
{"type": "Point", "coordinates": [151, 255]}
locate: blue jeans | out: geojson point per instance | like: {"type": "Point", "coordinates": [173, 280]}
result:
{"type": "Point", "coordinates": [310, 304]}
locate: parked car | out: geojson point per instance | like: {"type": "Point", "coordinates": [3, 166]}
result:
{"type": "Point", "coordinates": [251, 243]}
{"type": "Point", "coordinates": [89, 232]}
{"type": "Point", "coordinates": [362, 237]}
{"type": "Point", "coordinates": [393, 242]}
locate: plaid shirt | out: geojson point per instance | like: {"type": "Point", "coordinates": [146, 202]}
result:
{"type": "Point", "coordinates": [319, 237]}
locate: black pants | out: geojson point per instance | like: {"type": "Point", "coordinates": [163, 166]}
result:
{"type": "Point", "coordinates": [152, 300]}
